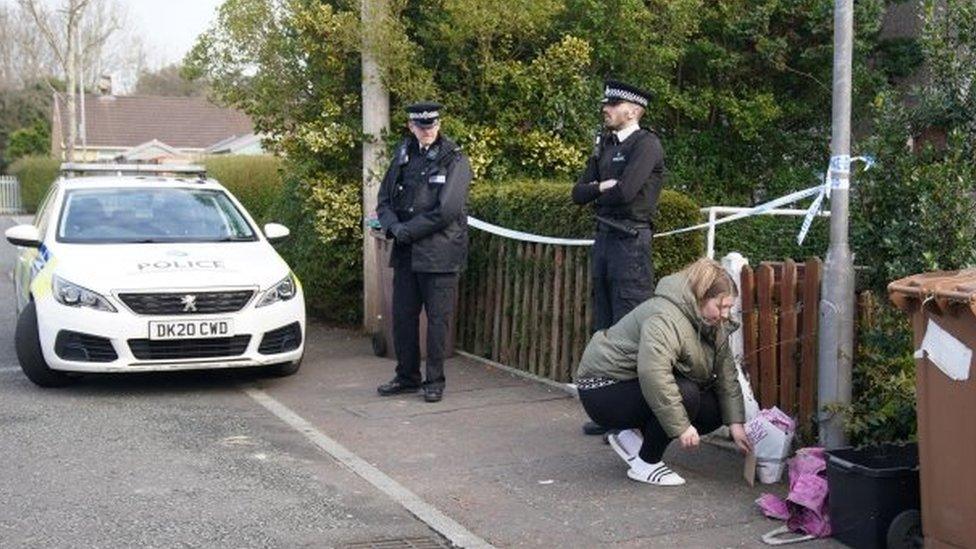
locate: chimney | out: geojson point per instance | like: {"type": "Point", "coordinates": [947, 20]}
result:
{"type": "Point", "coordinates": [105, 84]}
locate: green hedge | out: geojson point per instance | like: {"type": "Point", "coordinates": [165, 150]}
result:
{"type": "Point", "coordinates": [35, 173]}
{"type": "Point", "coordinates": [254, 180]}
{"type": "Point", "coordinates": [545, 208]}
{"type": "Point", "coordinates": [330, 269]}
{"type": "Point", "coordinates": [772, 238]}
{"type": "Point", "coordinates": [709, 169]}
{"type": "Point", "coordinates": [914, 213]}
{"type": "Point", "coordinates": [883, 405]}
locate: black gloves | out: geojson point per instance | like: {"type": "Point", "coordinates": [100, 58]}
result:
{"type": "Point", "coordinates": [400, 233]}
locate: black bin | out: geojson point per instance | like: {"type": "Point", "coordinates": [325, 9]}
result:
{"type": "Point", "coordinates": [869, 487]}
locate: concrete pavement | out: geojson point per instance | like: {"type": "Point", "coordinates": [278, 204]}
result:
{"type": "Point", "coordinates": [505, 457]}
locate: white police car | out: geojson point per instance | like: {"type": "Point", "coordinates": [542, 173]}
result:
{"type": "Point", "coordinates": [125, 269]}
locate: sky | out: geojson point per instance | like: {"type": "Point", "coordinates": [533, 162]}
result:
{"type": "Point", "coordinates": [166, 30]}
{"type": "Point", "coordinates": [169, 27]}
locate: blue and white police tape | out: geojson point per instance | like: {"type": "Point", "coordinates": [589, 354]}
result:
{"type": "Point", "coordinates": [838, 177]}
{"type": "Point", "coordinates": [526, 237]}
{"type": "Point", "coordinates": [839, 170]}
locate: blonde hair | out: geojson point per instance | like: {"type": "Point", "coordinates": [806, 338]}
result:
{"type": "Point", "coordinates": [707, 279]}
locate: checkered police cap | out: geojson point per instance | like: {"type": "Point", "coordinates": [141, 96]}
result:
{"type": "Point", "coordinates": [424, 113]}
{"type": "Point", "coordinates": [615, 91]}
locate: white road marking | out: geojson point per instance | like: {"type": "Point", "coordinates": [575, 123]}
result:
{"type": "Point", "coordinates": [446, 526]}
{"type": "Point", "coordinates": [9, 369]}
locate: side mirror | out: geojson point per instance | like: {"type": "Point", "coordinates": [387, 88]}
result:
{"type": "Point", "coordinates": [26, 236]}
{"type": "Point", "coordinates": [275, 232]}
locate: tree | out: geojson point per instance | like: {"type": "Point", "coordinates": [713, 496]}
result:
{"type": "Point", "coordinates": [520, 90]}
{"type": "Point", "coordinates": [24, 56]}
{"type": "Point", "coordinates": [32, 140]}
{"type": "Point", "coordinates": [169, 81]}
{"type": "Point", "coordinates": [26, 107]}
{"type": "Point", "coordinates": [949, 46]}
{"type": "Point", "coordinates": [109, 45]}
{"type": "Point", "coordinates": [916, 211]}
{"type": "Point", "coordinates": [293, 66]}
{"type": "Point", "coordinates": [78, 31]}
{"type": "Point", "coordinates": [740, 86]}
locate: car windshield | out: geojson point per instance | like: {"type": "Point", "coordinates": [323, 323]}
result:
{"type": "Point", "coordinates": [121, 215]}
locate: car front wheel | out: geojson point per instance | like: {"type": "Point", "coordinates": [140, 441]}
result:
{"type": "Point", "coordinates": [29, 353]}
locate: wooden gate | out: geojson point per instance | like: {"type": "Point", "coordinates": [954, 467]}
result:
{"type": "Point", "coordinates": [780, 319]}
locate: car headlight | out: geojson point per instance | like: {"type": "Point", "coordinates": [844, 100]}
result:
{"type": "Point", "coordinates": [73, 295]}
{"type": "Point", "coordinates": [284, 290]}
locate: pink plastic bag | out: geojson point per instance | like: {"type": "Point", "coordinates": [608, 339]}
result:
{"type": "Point", "coordinates": [805, 508]}
{"type": "Point", "coordinates": [778, 418]}
{"type": "Point", "coordinates": [774, 507]}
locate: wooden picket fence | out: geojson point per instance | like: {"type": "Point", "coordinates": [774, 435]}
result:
{"type": "Point", "coordinates": [780, 320]}
{"type": "Point", "coordinates": [780, 323]}
{"type": "Point", "coordinates": [525, 305]}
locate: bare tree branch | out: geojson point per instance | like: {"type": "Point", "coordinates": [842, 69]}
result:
{"type": "Point", "coordinates": [72, 12]}
{"type": "Point", "coordinates": [42, 18]}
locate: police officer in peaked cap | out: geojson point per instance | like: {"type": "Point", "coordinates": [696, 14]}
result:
{"type": "Point", "coordinates": [622, 182]}
{"type": "Point", "coordinates": [422, 204]}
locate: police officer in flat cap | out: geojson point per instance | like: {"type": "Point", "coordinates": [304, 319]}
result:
{"type": "Point", "coordinates": [622, 181]}
{"type": "Point", "coordinates": [422, 204]}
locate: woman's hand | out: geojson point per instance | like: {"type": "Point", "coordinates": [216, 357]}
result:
{"type": "Point", "coordinates": [739, 437]}
{"type": "Point", "coordinates": [689, 438]}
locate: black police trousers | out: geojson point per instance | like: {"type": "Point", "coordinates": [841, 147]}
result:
{"type": "Point", "coordinates": [434, 292]}
{"type": "Point", "coordinates": [622, 406]}
{"type": "Point", "coordinates": [621, 272]}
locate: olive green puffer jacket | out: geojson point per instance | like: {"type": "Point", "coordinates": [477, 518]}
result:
{"type": "Point", "coordinates": [663, 335]}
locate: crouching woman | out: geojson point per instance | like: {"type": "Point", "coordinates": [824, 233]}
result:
{"type": "Point", "coordinates": [666, 369]}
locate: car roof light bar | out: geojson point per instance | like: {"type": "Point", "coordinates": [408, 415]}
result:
{"type": "Point", "coordinates": [80, 168]}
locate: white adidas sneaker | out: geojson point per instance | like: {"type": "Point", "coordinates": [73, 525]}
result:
{"type": "Point", "coordinates": [654, 473]}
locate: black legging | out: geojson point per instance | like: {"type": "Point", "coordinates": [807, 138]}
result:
{"type": "Point", "coordinates": [622, 406]}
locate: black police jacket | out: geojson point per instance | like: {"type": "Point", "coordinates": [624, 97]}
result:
{"type": "Point", "coordinates": [638, 166]}
{"type": "Point", "coordinates": [422, 202]}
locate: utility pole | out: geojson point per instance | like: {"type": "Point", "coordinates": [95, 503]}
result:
{"type": "Point", "coordinates": [836, 344]}
{"type": "Point", "coordinates": [82, 131]}
{"type": "Point", "coordinates": [376, 122]}
{"type": "Point", "coordinates": [70, 69]}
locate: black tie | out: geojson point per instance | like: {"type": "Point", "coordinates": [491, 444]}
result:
{"type": "Point", "coordinates": [612, 140]}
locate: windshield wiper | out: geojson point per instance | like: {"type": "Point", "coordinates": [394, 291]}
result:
{"type": "Point", "coordinates": [184, 240]}
{"type": "Point", "coordinates": [234, 239]}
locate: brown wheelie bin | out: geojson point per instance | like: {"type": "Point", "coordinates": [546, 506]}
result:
{"type": "Point", "coordinates": [942, 306]}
